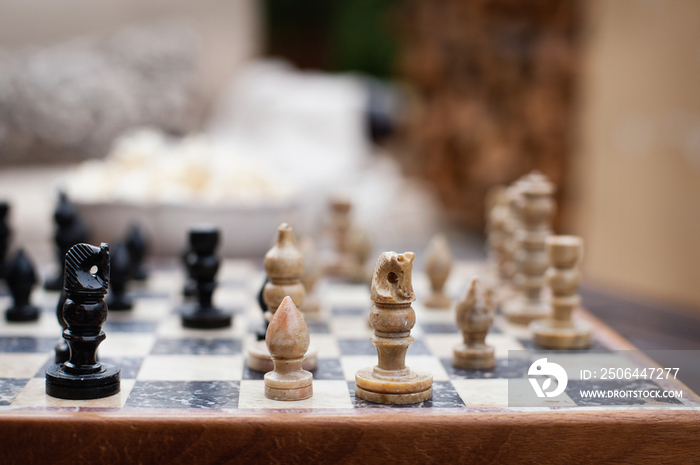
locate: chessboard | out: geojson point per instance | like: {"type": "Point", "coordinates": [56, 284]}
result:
{"type": "Point", "coordinates": [188, 393]}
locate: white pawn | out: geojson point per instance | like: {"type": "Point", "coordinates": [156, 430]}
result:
{"type": "Point", "coordinates": [438, 265]}
{"type": "Point", "coordinates": [287, 340]}
{"type": "Point", "coordinates": [474, 318]}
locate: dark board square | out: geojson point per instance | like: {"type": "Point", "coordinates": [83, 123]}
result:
{"type": "Point", "coordinates": [28, 344]}
{"type": "Point", "coordinates": [328, 368]}
{"type": "Point", "coordinates": [197, 346]}
{"type": "Point", "coordinates": [349, 311]}
{"type": "Point", "coordinates": [129, 326]}
{"type": "Point", "coordinates": [444, 396]}
{"type": "Point", "coordinates": [129, 366]}
{"type": "Point", "coordinates": [448, 328]}
{"type": "Point", "coordinates": [365, 347]}
{"type": "Point", "coordinates": [439, 328]}
{"type": "Point", "coordinates": [9, 388]}
{"type": "Point", "coordinates": [356, 347]}
{"type": "Point", "coordinates": [318, 327]}
{"type": "Point", "coordinates": [504, 369]}
{"type": "Point", "coordinates": [574, 389]}
{"type": "Point", "coordinates": [183, 394]}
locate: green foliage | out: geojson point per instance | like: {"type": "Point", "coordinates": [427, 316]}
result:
{"type": "Point", "coordinates": [334, 35]}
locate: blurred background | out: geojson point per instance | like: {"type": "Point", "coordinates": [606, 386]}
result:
{"type": "Point", "coordinates": [246, 112]}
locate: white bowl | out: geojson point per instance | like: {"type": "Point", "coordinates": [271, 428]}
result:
{"type": "Point", "coordinates": [246, 231]}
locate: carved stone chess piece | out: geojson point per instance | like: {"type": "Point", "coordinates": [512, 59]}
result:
{"type": "Point", "coordinates": [189, 290]}
{"type": "Point", "coordinates": [496, 234]}
{"type": "Point", "coordinates": [438, 264]}
{"type": "Point", "coordinates": [563, 276]}
{"type": "Point", "coordinates": [287, 340]}
{"type": "Point", "coordinates": [85, 311]}
{"type": "Point", "coordinates": [138, 246]}
{"type": "Point", "coordinates": [535, 208]}
{"type": "Point", "coordinates": [511, 224]}
{"type": "Point", "coordinates": [392, 317]}
{"type": "Point", "coordinates": [508, 222]}
{"type": "Point", "coordinates": [121, 268]}
{"type": "Point", "coordinates": [352, 245]}
{"type": "Point", "coordinates": [312, 272]}
{"type": "Point", "coordinates": [284, 266]}
{"type": "Point", "coordinates": [21, 279]}
{"type": "Point", "coordinates": [203, 265]}
{"type": "Point", "coordinates": [5, 235]}
{"type": "Point", "coordinates": [70, 230]}
{"type": "Point", "coordinates": [474, 314]}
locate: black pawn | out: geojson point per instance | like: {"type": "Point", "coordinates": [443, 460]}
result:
{"type": "Point", "coordinates": [137, 246]}
{"type": "Point", "coordinates": [62, 350]}
{"type": "Point", "coordinates": [120, 266]}
{"type": "Point", "coordinates": [260, 334]}
{"type": "Point", "coordinates": [203, 266]}
{"type": "Point", "coordinates": [70, 230]}
{"type": "Point", "coordinates": [4, 236]}
{"type": "Point", "coordinates": [21, 278]}
{"type": "Point", "coordinates": [85, 311]}
{"type": "Point", "coordinates": [190, 287]}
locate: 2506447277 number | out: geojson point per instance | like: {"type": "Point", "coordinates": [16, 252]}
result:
{"type": "Point", "coordinates": [637, 373]}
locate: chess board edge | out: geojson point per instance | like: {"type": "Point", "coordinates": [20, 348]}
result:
{"type": "Point", "coordinates": [505, 437]}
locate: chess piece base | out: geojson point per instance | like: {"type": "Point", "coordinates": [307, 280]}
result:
{"type": "Point", "coordinates": [82, 387]}
{"type": "Point", "coordinates": [550, 334]}
{"type": "Point", "coordinates": [413, 387]}
{"type": "Point", "coordinates": [205, 319]}
{"type": "Point", "coordinates": [259, 358]}
{"type": "Point", "coordinates": [438, 301]}
{"type": "Point", "coordinates": [295, 386]}
{"type": "Point", "coordinates": [62, 352]}
{"type": "Point", "coordinates": [474, 358]}
{"type": "Point", "coordinates": [522, 311]}
{"type": "Point", "coordinates": [23, 313]}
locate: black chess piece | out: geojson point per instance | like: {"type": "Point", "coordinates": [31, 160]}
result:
{"type": "Point", "coordinates": [85, 311]}
{"type": "Point", "coordinates": [138, 246]}
{"type": "Point", "coordinates": [21, 278]}
{"type": "Point", "coordinates": [70, 230]}
{"type": "Point", "coordinates": [190, 288]}
{"type": "Point", "coordinates": [120, 274]}
{"type": "Point", "coordinates": [4, 236]}
{"type": "Point", "coordinates": [260, 334]}
{"type": "Point", "coordinates": [61, 349]}
{"type": "Point", "coordinates": [203, 266]}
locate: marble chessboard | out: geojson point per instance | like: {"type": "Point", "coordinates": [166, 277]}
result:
{"type": "Point", "coordinates": [188, 397]}
{"type": "Point", "coordinates": [168, 368]}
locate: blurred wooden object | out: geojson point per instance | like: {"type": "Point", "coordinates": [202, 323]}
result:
{"type": "Point", "coordinates": [493, 84]}
{"type": "Point", "coordinates": [637, 167]}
